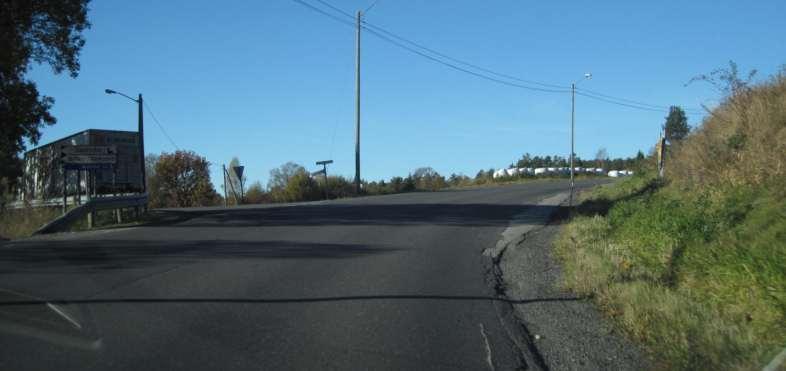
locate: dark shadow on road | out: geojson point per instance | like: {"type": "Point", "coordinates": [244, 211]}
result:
{"type": "Point", "coordinates": [282, 300]}
{"type": "Point", "coordinates": [366, 214]}
{"type": "Point", "coordinates": [80, 256]}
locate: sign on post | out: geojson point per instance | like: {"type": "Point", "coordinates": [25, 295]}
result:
{"type": "Point", "coordinates": [238, 171]}
{"type": "Point", "coordinates": [88, 157]}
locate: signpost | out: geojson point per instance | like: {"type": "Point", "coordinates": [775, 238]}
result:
{"type": "Point", "coordinates": [88, 157]}
{"type": "Point", "coordinates": [83, 157]}
{"type": "Point", "coordinates": [239, 174]}
{"type": "Point", "coordinates": [324, 172]}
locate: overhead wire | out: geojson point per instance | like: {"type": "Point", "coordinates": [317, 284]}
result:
{"type": "Point", "coordinates": [501, 78]}
{"type": "Point", "coordinates": [161, 127]}
{"type": "Point", "coordinates": [378, 32]}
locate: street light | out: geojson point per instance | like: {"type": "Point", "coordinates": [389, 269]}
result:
{"type": "Point", "coordinates": [140, 103]}
{"type": "Point", "coordinates": [587, 76]}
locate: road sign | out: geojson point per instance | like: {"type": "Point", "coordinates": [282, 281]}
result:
{"type": "Point", "coordinates": [77, 156]}
{"type": "Point", "coordinates": [324, 162]}
{"type": "Point", "coordinates": [89, 159]}
{"type": "Point", "coordinates": [238, 171]}
{"type": "Point", "coordinates": [88, 166]}
{"type": "Point", "coordinates": [88, 150]}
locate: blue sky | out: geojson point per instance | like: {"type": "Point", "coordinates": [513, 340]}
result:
{"type": "Point", "coordinates": [273, 81]}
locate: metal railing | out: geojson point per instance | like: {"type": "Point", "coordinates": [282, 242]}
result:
{"type": "Point", "coordinates": [90, 206]}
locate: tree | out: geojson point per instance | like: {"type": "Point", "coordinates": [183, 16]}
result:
{"type": "Point", "coordinates": [182, 179]}
{"type": "Point", "coordinates": [301, 187]}
{"type": "Point", "coordinates": [291, 182]}
{"type": "Point", "coordinates": [726, 81]}
{"type": "Point", "coordinates": [151, 159]}
{"type": "Point", "coordinates": [426, 178]}
{"type": "Point", "coordinates": [601, 157]}
{"type": "Point", "coordinates": [256, 194]}
{"type": "Point", "coordinates": [279, 177]}
{"type": "Point", "coordinates": [41, 31]}
{"type": "Point", "coordinates": [676, 125]}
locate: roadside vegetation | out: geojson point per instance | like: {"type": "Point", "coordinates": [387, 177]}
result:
{"type": "Point", "coordinates": [17, 223]}
{"type": "Point", "coordinates": [694, 266]}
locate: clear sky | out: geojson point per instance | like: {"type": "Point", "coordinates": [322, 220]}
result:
{"type": "Point", "coordinates": [273, 81]}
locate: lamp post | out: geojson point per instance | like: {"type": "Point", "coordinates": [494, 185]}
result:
{"type": "Point", "coordinates": [587, 76]}
{"type": "Point", "coordinates": [140, 103]}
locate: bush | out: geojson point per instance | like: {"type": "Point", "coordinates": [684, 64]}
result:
{"type": "Point", "coordinates": [255, 194]}
{"type": "Point", "coordinates": [181, 179]}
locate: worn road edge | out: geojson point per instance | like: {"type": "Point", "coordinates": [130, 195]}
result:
{"type": "Point", "coordinates": [516, 232]}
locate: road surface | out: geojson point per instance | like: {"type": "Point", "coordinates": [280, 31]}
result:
{"type": "Point", "coordinates": [390, 282]}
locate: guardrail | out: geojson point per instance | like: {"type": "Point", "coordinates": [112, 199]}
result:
{"type": "Point", "coordinates": [95, 204]}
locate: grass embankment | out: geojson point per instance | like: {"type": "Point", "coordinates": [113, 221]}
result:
{"type": "Point", "coordinates": [17, 223]}
{"type": "Point", "coordinates": [694, 267]}
{"type": "Point", "coordinates": [20, 223]}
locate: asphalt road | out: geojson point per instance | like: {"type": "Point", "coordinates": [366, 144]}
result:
{"type": "Point", "coordinates": [390, 282]}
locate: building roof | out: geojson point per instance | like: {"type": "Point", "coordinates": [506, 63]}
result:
{"type": "Point", "coordinates": [83, 132]}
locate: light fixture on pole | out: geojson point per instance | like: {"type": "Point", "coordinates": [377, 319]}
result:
{"type": "Point", "coordinates": [587, 76]}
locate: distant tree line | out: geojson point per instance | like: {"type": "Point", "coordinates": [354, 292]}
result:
{"type": "Point", "coordinates": [182, 179]}
{"type": "Point", "coordinates": [601, 160]}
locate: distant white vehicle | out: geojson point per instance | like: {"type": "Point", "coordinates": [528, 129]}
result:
{"type": "Point", "coordinates": [599, 170]}
{"type": "Point", "coordinates": [551, 169]}
{"type": "Point", "coordinates": [540, 171]}
{"type": "Point", "coordinates": [512, 171]}
{"type": "Point", "coordinates": [620, 173]}
{"type": "Point", "coordinates": [499, 173]}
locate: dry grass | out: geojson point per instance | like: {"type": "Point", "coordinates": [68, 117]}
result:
{"type": "Point", "coordinates": [17, 223]}
{"type": "Point", "coordinates": [695, 269]}
{"type": "Point", "coordinates": [742, 143]}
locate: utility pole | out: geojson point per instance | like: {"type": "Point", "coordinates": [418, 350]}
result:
{"type": "Point", "coordinates": [572, 126]}
{"type": "Point", "coordinates": [142, 142]}
{"type": "Point", "coordinates": [661, 147]}
{"type": "Point", "coordinates": [357, 105]}
{"type": "Point", "coordinates": [587, 76]}
{"type": "Point", "coordinates": [324, 172]}
{"type": "Point", "coordinates": [224, 173]}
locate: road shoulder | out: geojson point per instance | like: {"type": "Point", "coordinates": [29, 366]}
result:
{"type": "Point", "coordinates": [568, 332]}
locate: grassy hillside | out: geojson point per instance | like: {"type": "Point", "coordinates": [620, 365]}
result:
{"type": "Point", "coordinates": [694, 267]}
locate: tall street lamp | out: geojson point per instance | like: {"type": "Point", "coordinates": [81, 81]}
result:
{"type": "Point", "coordinates": [587, 76]}
{"type": "Point", "coordinates": [140, 103]}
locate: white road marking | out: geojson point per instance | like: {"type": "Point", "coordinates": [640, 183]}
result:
{"type": "Point", "coordinates": [488, 347]}
{"type": "Point", "coordinates": [64, 315]}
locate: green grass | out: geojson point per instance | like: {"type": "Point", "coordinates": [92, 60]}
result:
{"type": "Point", "coordinates": [698, 277]}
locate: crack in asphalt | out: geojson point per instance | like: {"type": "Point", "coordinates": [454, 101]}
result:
{"type": "Point", "coordinates": [516, 329]}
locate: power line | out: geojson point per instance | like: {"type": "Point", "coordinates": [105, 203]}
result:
{"type": "Point", "coordinates": [368, 27]}
{"type": "Point", "coordinates": [326, 13]}
{"type": "Point", "coordinates": [500, 78]}
{"type": "Point", "coordinates": [150, 111]}
{"type": "Point", "coordinates": [370, 6]}
{"type": "Point", "coordinates": [587, 91]}
{"type": "Point", "coordinates": [453, 66]}
{"type": "Point", "coordinates": [380, 29]}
